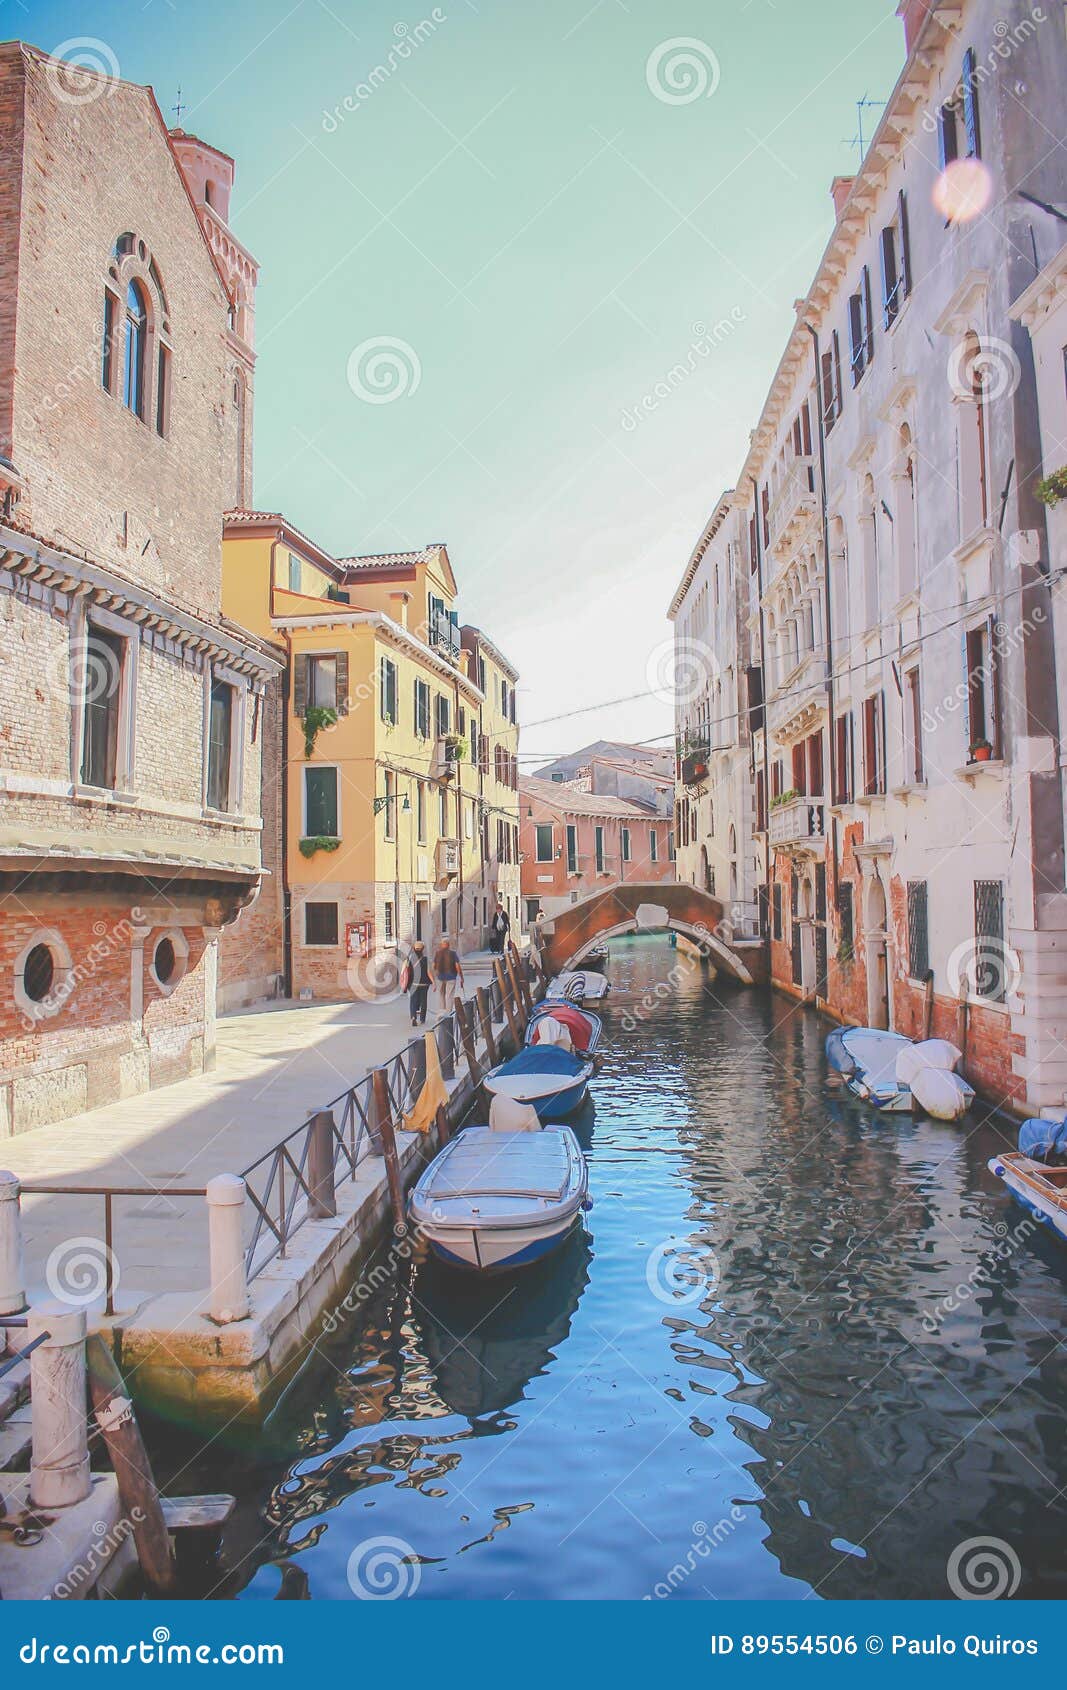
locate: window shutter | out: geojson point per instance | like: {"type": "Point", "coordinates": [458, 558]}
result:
{"type": "Point", "coordinates": [905, 245]}
{"type": "Point", "coordinates": [300, 684]}
{"type": "Point", "coordinates": [970, 106]}
{"type": "Point", "coordinates": [889, 277]}
{"type": "Point", "coordinates": [837, 374]}
{"type": "Point", "coordinates": [946, 136]}
{"type": "Point", "coordinates": [883, 767]}
{"type": "Point", "coordinates": [855, 336]}
{"type": "Point", "coordinates": [342, 683]}
{"type": "Point", "coordinates": [994, 727]}
{"type": "Point", "coordinates": [868, 317]}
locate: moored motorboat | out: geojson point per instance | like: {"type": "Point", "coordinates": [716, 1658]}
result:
{"type": "Point", "coordinates": [579, 984]}
{"type": "Point", "coordinates": [1039, 1188]}
{"type": "Point", "coordinates": [583, 1027]}
{"type": "Point", "coordinates": [897, 1074]}
{"type": "Point", "coordinates": [553, 1080]}
{"type": "Point", "coordinates": [499, 1200]}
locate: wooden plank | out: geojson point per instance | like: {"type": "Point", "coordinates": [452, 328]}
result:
{"type": "Point", "coordinates": [197, 1513]}
{"type": "Point", "coordinates": [129, 1458]}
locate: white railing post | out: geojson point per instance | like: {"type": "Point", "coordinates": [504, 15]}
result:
{"type": "Point", "coordinates": [59, 1463]}
{"type": "Point", "coordinates": [12, 1290]}
{"type": "Point", "coordinates": [229, 1278]}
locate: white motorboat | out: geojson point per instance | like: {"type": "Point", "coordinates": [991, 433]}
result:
{"type": "Point", "coordinates": [579, 985]}
{"type": "Point", "coordinates": [498, 1200]}
{"type": "Point", "coordinates": [1041, 1189]}
{"type": "Point", "coordinates": [897, 1074]}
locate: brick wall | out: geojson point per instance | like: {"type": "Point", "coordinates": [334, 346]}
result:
{"type": "Point", "coordinates": [101, 481]}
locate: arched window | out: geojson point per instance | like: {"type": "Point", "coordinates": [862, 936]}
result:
{"type": "Point", "coordinates": [133, 356]}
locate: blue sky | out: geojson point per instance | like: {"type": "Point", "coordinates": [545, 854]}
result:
{"type": "Point", "coordinates": [540, 237]}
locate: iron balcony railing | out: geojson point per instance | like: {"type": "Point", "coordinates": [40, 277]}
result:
{"type": "Point", "coordinates": [443, 634]}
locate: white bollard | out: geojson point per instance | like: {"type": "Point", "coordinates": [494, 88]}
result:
{"type": "Point", "coordinates": [229, 1279]}
{"type": "Point", "coordinates": [59, 1463]}
{"type": "Point", "coordinates": [12, 1290]}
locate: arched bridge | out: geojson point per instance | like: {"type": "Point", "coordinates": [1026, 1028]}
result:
{"type": "Point", "coordinates": [660, 906]}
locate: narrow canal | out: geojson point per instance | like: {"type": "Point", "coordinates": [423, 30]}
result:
{"type": "Point", "coordinates": [799, 1349]}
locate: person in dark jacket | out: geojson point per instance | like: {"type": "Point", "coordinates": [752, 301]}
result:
{"type": "Point", "coordinates": [499, 928]}
{"type": "Point", "coordinates": [421, 981]}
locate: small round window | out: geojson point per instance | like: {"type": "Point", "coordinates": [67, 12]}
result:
{"type": "Point", "coordinates": [164, 962]}
{"type": "Point", "coordinates": [39, 973]}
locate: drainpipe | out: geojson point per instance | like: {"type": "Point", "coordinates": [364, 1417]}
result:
{"type": "Point", "coordinates": [768, 867]}
{"type": "Point", "coordinates": [831, 760]}
{"type": "Point", "coordinates": [287, 896]}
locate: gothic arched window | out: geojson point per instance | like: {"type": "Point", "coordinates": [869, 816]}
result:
{"type": "Point", "coordinates": [136, 352]}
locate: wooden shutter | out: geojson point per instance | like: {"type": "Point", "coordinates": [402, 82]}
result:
{"type": "Point", "coordinates": [890, 303]}
{"type": "Point", "coordinates": [342, 683]}
{"type": "Point", "coordinates": [947, 148]}
{"type": "Point", "coordinates": [855, 335]}
{"type": "Point", "coordinates": [883, 767]}
{"type": "Point", "coordinates": [905, 245]}
{"type": "Point", "coordinates": [805, 428]}
{"type": "Point", "coordinates": [970, 106]}
{"type": "Point", "coordinates": [868, 317]}
{"type": "Point", "coordinates": [837, 374]}
{"type": "Point", "coordinates": [994, 729]}
{"type": "Point", "coordinates": [300, 684]}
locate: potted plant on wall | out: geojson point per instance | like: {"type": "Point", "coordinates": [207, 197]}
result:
{"type": "Point", "coordinates": [1052, 488]}
{"type": "Point", "coordinates": [315, 718]}
{"type": "Point", "coordinates": [981, 751]}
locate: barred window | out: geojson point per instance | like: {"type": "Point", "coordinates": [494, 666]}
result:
{"type": "Point", "coordinates": [918, 931]}
{"type": "Point", "coordinates": [990, 971]}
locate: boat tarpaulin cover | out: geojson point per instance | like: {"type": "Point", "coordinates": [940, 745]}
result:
{"type": "Point", "coordinates": [544, 1059]}
{"type": "Point", "coordinates": [480, 1163]}
{"type": "Point", "coordinates": [1041, 1139]}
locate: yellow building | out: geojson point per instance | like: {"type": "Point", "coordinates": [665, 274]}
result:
{"type": "Point", "coordinates": [397, 798]}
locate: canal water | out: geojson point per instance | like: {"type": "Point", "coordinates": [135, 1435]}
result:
{"type": "Point", "coordinates": [799, 1349]}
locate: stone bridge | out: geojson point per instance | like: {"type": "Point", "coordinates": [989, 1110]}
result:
{"type": "Point", "coordinates": [660, 906]}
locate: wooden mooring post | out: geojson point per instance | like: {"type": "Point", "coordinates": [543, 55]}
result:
{"type": "Point", "coordinates": [137, 1488]}
{"type": "Point", "coordinates": [465, 1019]}
{"type": "Point", "coordinates": [322, 1204]}
{"type": "Point", "coordinates": [518, 974]}
{"type": "Point", "coordinates": [507, 998]}
{"type": "Point", "coordinates": [384, 1127]}
{"type": "Point", "coordinates": [486, 1019]}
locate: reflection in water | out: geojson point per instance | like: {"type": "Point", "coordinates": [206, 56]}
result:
{"type": "Point", "coordinates": [864, 1372]}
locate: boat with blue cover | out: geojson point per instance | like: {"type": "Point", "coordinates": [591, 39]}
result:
{"type": "Point", "coordinates": [554, 1081]}
{"type": "Point", "coordinates": [1035, 1174]}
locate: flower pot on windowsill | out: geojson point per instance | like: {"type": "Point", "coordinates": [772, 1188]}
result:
{"type": "Point", "coordinates": [981, 751]}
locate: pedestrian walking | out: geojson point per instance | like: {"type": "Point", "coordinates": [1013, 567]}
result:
{"type": "Point", "coordinates": [417, 980]}
{"type": "Point", "coordinates": [499, 928]}
{"type": "Point", "coordinates": [448, 973]}
{"type": "Point", "coordinates": [537, 932]}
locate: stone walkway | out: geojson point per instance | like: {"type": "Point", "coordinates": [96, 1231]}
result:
{"type": "Point", "coordinates": [275, 1064]}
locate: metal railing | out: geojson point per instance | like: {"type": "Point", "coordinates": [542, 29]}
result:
{"type": "Point", "coordinates": [280, 1184]}
{"type": "Point", "coordinates": [109, 1193]}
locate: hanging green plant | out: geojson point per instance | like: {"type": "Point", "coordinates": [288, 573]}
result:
{"type": "Point", "coordinates": [318, 842]}
{"type": "Point", "coordinates": [784, 798]}
{"type": "Point", "coordinates": [1053, 488]}
{"type": "Point", "coordinates": [315, 718]}
{"type": "Point", "coordinates": [458, 747]}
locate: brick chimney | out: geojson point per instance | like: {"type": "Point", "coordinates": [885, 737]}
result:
{"type": "Point", "coordinates": [840, 188]}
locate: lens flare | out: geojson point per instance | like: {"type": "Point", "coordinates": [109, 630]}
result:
{"type": "Point", "coordinates": [963, 190]}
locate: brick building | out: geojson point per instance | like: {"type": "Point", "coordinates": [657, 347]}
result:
{"type": "Point", "coordinates": [131, 709]}
{"type": "Point", "coordinates": [573, 843]}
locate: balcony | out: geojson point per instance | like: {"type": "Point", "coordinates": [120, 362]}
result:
{"type": "Point", "coordinates": [443, 635]}
{"type": "Point", "coordinates": [793, 498]}
{"type": "Point", "coordinates": [800, 822]}
{"type": "Point", "coordinates": [447, 860]}
{"type": "Point", "coordinates": [694, 767]}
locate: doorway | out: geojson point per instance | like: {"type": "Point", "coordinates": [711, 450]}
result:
{"type": "Point", "coordinates": [876, 939]}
